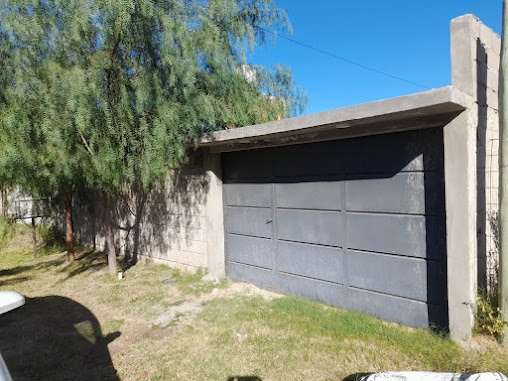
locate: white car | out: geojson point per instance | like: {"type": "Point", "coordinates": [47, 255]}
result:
{"type": "Point", "coordinates": [9, 300]}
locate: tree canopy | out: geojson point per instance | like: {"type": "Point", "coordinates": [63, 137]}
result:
{"type": "Point", "coordinates": [114, 92]}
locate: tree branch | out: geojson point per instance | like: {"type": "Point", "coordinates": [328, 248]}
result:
{"type": "Point", "coordinates": [86, 144]}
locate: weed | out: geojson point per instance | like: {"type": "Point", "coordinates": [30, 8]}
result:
{"type": "Point", "coordinates": [488, 315]}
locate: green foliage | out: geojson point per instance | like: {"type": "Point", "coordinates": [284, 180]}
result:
{"type": "Point", "coordinates": [7, 230]}
{"type": "Point", "coordinates": [488, 315]}
{"type": "Point", "coordinates": [17, 237]}
{"type": "Point", "coordinates": [115, 91]}
{"type": "Point", "coordinates": [52, 238]}
{"type": "Point", "coordinates": [39, 149]}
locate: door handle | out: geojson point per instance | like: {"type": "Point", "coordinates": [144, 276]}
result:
{"type": "Point", "coordinates": [269, 220]}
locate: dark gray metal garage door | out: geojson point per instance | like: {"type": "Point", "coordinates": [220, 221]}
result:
{"type": "Point", "coordinates": [356, 223]}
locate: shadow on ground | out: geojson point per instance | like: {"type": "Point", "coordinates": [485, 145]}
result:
{"type": "Point", "coordinates": [35, 267]}
{"type": "Point", "coordinates": [89, 260]}
{"type": "Point", "coordinates": [55, 338]}
{"type": "Point", "coordinates": [244, 378]}
{"type": "Point", "coordinates": [12, 276]}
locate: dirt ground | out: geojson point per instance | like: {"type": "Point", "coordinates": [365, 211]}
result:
{"type": "Point", "coordinates": [159, 323]}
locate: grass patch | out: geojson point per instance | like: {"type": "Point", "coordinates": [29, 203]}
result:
{"type": "Point", "coordinates": [112, 325]}
{"type": "Point", "coordinates": [80, 324]}
{"type": "Point", "coordinates": [192, 284]}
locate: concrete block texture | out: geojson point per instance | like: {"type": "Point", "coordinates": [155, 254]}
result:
{"type": "Point", "coordinates": [493, 78]}
{"type": "Point", "coordinates": [166, 225]}
{"type": "Point", "coordinates": [486, 35]}
{"type": "Point", "coordinates": [492, 98]}
{"type": "Point", "coordinates": [496, 44]}
{"type": "Point", "coordinates": [493, 59]}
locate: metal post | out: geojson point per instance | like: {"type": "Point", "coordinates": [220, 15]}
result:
{"type": "Point", "coordinates": [503, 176]}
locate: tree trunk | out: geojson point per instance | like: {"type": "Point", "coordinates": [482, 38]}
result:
{"type": "Point", "coordinates": [503, 176]}
{"type": "Point", "coordinates": [110, 237]}
{"type": "Point", "coordinates": [4, 202]}
{"type": "Point", "coordinates": [69, 228]}
{"type": "Point", "coordinates": [34, 237]}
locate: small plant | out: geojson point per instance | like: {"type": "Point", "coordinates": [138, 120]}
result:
{"type": "Point", "coordinates": [488, 315]}
{"type": "Point", "coordinates": [7, 230]}
{"type": "Point", "coordinates": [52, 238]}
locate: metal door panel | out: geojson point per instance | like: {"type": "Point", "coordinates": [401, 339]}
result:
{"type": "Point", "coordinates": [319, 227]}
{"type": "Point", "coordinates": [304, 195]}
{"type": "Point", "coordinates": [251, 274]}
{"type": "Point", "coordinates": [325, 292]}
{"type": "Point", "coordinates": [386, 233]}
{"type": "Point", "coordinates": [318, 262]}
{"type": "Point", "coordinates": [403, 193]}
{"type": "Point", "coordinates": [249, 195]}
{"type": "Point", "coordinates": [252, 251]}
{"type": "Point", "coordinates": [388, 274]}
{"type": "Point", "coordinates": [405, 311]}
{"type": "Point", "coordinates": [249, 221]}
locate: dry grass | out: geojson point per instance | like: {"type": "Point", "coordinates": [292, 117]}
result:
{"type": "Point", "coordinates": [78, 324]}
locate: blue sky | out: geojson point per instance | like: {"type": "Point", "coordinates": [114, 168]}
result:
{"type": "Point", "coordinates": [406, 38]}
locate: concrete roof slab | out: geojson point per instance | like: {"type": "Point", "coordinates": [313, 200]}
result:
{"type": "Point", "coordinates": [421, 110]}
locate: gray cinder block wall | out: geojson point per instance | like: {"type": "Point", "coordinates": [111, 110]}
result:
{"type": "Point", "coordinates": [487, 69]}
{"type": "Point", "coordinates": [167, 225]}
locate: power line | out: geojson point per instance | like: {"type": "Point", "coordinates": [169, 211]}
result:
{"type": "Point", "coordinates": [365, 67]}
{"type": "Point", "coordinates": [344, 59]}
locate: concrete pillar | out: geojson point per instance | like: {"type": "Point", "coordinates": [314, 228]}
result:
{"type": "Point", "coordinates": [214, 216]}
{"type": "Point", "coordinates": [461, 179]}
{"type": "Point", "coordinates": [460, 193]}
{"type": "Point", "coordinates": [464, 32]}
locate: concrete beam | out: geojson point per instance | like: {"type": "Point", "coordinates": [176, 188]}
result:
{"type": "Point", "coordinates": [375, 128]}
{"type": "Point", "coordinates": [444, 101]}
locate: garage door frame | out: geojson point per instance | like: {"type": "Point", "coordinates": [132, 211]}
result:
{"type": "Point", "coordinates": [448, 107]}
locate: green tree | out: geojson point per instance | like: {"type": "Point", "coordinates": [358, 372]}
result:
{"type": "Point", "coordinates": [125, 87]}
{"type": "Point", "coordinates": [41, 150]}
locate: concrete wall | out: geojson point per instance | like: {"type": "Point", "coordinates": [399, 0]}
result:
{"type": "Point", "coordinates": [15, 204]}
{"type": "Point", "coordinates": [167, 225]}
{"type": "Point", "coordinates": [487, 76]}
{"type": "Point", "coordinates": [11, 200]}
{"type": "Point", "coordinates": [475, 70]}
